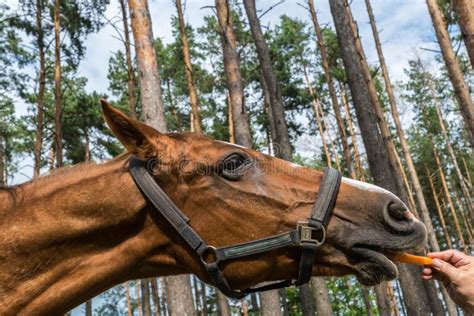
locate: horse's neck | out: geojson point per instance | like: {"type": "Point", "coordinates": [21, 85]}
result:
{"type": "Point", "coordinates": [69, 236]}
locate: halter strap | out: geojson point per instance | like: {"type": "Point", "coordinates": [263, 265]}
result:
{"type": "Point", "coordinates": [308, 235]}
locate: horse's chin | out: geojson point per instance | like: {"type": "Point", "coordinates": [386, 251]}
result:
{"type": "Point", "coordinates": [374, 267]}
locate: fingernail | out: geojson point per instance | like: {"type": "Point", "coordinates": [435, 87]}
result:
{"type": "Point", "coordinates": [437, 263]}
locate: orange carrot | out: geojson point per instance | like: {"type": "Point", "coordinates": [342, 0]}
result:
{"type": "Point", "coordinates": [419, 260]}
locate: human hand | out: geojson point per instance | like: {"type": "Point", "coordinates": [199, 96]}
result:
{"type": "Point", "coordinates": [456, 271]}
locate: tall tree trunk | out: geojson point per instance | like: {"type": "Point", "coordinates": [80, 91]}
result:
{"type": "Point", "coordinates": [284, 303]}
{"type": "Point", "coordinates": [41, 90]}
{"type": "Point", "coordinates": [321, 297]}
{"type": "Point", "coordinates": [57, 85]}
{"type": "Point", "coordinates": [164, 297]}
{"type": "Point", "coordinates": [222, 304]}
{"type": "Point", "coordinates": [454, 161]}
{"type": "Point", "coordinates": [307, 308]}
{"type": "Point", "coordinates": [355, 146]}
{"type": "Point", "coordinates": [150, 87]}
{"type": "Point", "coordinates": [179, 288]}
{"type": "Point", "coordinates": [366, 296]}
{"type": "Point", "coordinates": [155, 296]}
{"type": "Point", "coordinates": [230, 121]}
{"type": "Point", "coordinates": [270, 304]}
{"type": "Point", "coordinates": [465, 15]}
{"type": "Point", "coordinates": [145, 291]}
{"type": "Point", "coordinates": [271, 130]}
{"type": "Point", "coordinates": [127, 296]}
{"type": "Point", "coordinates": [87, 146]}
{"type": "Point", "coordinates": [439, 210]}
{"type": "Point", "coordinates": [414, 292]}
{"type": "Point", "coordinates": [88, 311]}
{"type": "Point", "coordinates": [277, 106]}
{"type": "Point", "coordinates": [316, 103]}
{"type": "Point", "coordinates": [425, 215]}
{"type": "Point", "coordinates": [332, 91]}
{"type": "Point", "coordinates": [448, 198]}
{"type": "Point", "coordinates": [233, 75]}
{"type": "Point", "coordinates": [254, 303]}
{"type": "Point", "coordinates": [138, 300]}
{"type": "Point", "coordinates": [132, 102]}
{"type": "Point", "coordinates": [193, 96]}
{"type": "Point", "coordinates": [461, 90]}
{"type": "Point", "coordinates": [467, 226]}
{"type": "Point", "coordinates": [3, 181]}
{"type": "Point", "coordinates": [180, 296]}
{"type": "Point", "coordinates": [204, 298]}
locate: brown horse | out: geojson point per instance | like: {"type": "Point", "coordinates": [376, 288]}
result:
{"type": "Point", "coordinates": [68, 236]}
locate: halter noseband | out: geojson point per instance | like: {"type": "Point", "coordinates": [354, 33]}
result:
{"type": "Point", "coordinates": [308, 235]}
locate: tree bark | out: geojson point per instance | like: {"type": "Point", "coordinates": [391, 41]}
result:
{"type": "Point", "coordinates": [355, 146]}
{"type": "Point", "coordinates": [88, 311]}
{"type": "Point", "coordinates": [193, 96]}
{"type": "Point", "coordinates": [332, 91]}
{"type": "Point", "coordinates": [204, 298]}
{"type": "Point", "coordinates": [449, 200]}
{"type": "Point", "coordinates": [138, 300]}
{"type": "Point", "coordinates": [362, 90]}
{"type": "Point", "coordinates": [276, 102]}
{"type": "Point", "coordinates": [145, 291]}
{"type": "Point", "coordinates": [41, 89]}
{"type": "Point", "coordinates": [127, 296]}
{"type": "Point", "coordinates": [155, 296]}
{"type": "Point", "coordinates": [465, 15]}
{"type": "Point", "coordinates": [439, 210]}
{"type": "Point", "coordinates": [150, 86]}
{"type": "Point", "coordinates": [180, 297]}
{"type": "Point", "coordinates": [254, 303]}
{"type": "Point", "coordinates": [307, 308]}
{"type": "Point", "coordinates": [366, 296]}
{"type": "Point", "coordinates": [270, 304]}
{"type": "Point", "coordinates": [132, 103]}
{"type": "Point", "coordinates": [233, 75]}
{"type": "Point", "coordinates": [461, 90]}
{"type": "Point", "coordinates": [316, 103]}
{"type": "Point", "coordinates": [222, 304]}
{"type": "Point", "coordinates": [3, 181]}
{"type": "Point", "coordinates": [321, 297]}
{"type": "Point", "coordinates": [57, 86]}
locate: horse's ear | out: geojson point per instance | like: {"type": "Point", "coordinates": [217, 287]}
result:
{"type": "Point", "coordinates": [138, 138]}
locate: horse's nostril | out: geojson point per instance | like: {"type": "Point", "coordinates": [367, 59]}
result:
{"type": "Point", "coordinates": [399, 212]}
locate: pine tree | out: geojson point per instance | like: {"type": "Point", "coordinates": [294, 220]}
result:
{"type": "Point", "coordinates": [461, 90]}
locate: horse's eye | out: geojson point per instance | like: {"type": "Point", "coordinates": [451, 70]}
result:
{"type": "Point", "coordinates": [233, 166]}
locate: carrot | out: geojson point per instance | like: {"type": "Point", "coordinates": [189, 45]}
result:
{"type": "Point", "coordinates": [408, 258]}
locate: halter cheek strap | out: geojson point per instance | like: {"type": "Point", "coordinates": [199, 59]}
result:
{"type": "Point", "coordinates": [308, 235]}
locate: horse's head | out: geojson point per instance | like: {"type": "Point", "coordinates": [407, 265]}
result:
{"type": "Point", "coordinates": [233, 194]}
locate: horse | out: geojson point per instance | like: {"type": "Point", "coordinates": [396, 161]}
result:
{"type": "Point", "coordinates": [68, 236]}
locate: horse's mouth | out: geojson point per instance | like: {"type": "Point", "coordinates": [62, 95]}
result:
{"type": "Point", "coordinates": [374, 264]}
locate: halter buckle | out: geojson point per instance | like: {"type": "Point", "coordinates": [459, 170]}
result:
{"type": "Point", "coordinates": [309, 234]}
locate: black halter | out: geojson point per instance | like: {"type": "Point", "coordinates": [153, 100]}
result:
{"type": "Point", "coordinates": [308, 235]}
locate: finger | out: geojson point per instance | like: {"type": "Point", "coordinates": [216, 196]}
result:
{"type": "Point", "coordinates": [452, 256]}
{"type": "Point", "coordinates": [427, 271]}
{"type": "Point", "coordinates": [427, 277]}
{"type": "Point", "coordinates": [445, 269]}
